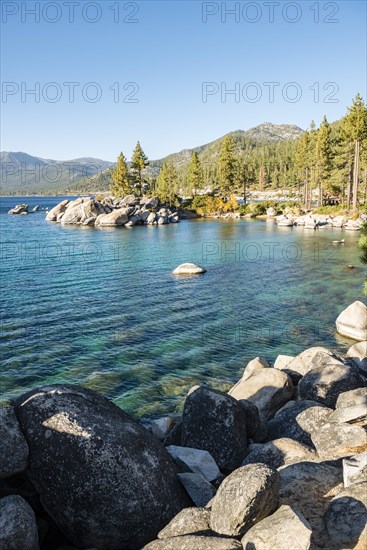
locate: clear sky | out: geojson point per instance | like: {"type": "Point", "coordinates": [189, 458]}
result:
{"type": "Point", "coordinates": [180, 59]}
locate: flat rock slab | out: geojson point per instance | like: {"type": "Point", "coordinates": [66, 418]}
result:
{"type": "Point", "coordinates": [187, 522]}
{"type": "Point", "coordinates": [192, 542]}
{"type": "Point", "coordinates": [286, 529]}
{"type": "Point", "coordinates": [215, 422]}
{"type": "Point", "coordinates": [196, 460]}
{"type": "Point", "coordinates": [13, 446]}
{"type": "Point", "coordinates": [268, 389]}
{"type": "Point", "coordinates": [115, 483]}
{"type": "Point", "coordinates": [18, 527]}
{"type": "Point", "coordinates": [339, 440]}
{"type": "Point", "coordinates": [352, 321]}
{"type": "Point", "coordinates": [245, 497]}
{"type": "Point", "coordinates": [325, 383]}
{"type": "Point", "coordinates": [189, 269]}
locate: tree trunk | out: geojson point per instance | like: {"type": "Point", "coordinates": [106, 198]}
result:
{"type": "Point", "coordinates": [349, 188]}
{"type": "Point", "coordinates": [365, 186]}
{"type": "Point", "coordinates": [306, 188]}
{"type": "Point", "coordinates": [244, 190]}
{"type": "Point", "coordinates": [356, 176]}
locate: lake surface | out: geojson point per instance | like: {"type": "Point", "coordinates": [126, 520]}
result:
{"type": "Point", "coordinates": [100, 307]}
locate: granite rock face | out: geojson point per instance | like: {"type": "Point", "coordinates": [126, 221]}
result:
{"type": "Point", "coordinates": [115, 483]}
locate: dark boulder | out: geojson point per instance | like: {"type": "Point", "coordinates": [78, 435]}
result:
{"type": "Point", "coordinates": [215, 422]}
{"type": "Point", "coordinates": [105, 480]}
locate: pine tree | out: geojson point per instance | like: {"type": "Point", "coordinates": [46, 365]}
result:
{"type": "Point", "coordinates": [120, 178]}
{"type": "Point", "coordinates": [226, 167]}
{"type": "Point", "coordinates": [196, 178]}
{"type": "Point", "coordinates": [356, 129]}
{"type": "Point", "coordinates": [139, 161]}
{"type": "Point", "coordinates": [262, 181]}
{"type": "Point", "coordinates": [167, 183]}
{"type": "Point", "coordinates": [323, 157]}
{"type": "Point", "coordinates": [302, 165]}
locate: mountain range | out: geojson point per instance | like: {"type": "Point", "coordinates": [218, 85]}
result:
{"type": "Point", "coordinates": [22, 173]}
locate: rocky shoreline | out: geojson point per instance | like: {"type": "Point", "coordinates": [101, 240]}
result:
{"type": "Point", "coordinates": [277, 463]}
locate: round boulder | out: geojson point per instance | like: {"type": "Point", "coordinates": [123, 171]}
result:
{"type": "Point", "coordinates": [18, 527]}
{"type": "Point", "coordinates": [352, 322]}
{"type": "Point", "coordinates": [245, 497]}
{"type": "Point", "coordinates": [346, 516]}
{"type": "Point", "coordinates": [116, 485]}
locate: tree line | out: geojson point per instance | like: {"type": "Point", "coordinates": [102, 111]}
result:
{"type": "Point", "coordinates": [328, 161]}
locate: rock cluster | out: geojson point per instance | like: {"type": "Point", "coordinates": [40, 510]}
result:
{"type": "Point", "coordinates": [129, 211]}
{"type": "Point", "coordinates": [22, 209]}
{"type": "Point", "coordinates": [319, 221]}
{"type": "Point", "coordinates": [279, 462]}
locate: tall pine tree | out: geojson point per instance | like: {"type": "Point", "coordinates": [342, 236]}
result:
{"type": "Point", "coordinates": [226, 167]}
{"type": "Point", "coordinates": [121, 183]}
{"type": "Point", "coordinates": [196, 178]}
{"type": "Point", "coordinates": [139, 161]}
{"type": "Point", "coordinates": [356, 129]}
{"type": "Point", "coordinates": [323, 158]}
{"type": "Point", "coordinates": [167, 183]}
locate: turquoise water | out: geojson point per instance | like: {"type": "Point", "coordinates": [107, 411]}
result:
{"type": "Point", "coordinates": [100, 307]}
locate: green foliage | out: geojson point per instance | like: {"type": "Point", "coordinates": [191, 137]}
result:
{"type": "Point", "coordinates": [362, 243]}
{"type": "Point", "coordinates": [139, 162]}
{"type": "Point", "coordinates": [226, 167]}
{"type": "Point", "coordinates": [121, 183]}
{"type": "Point", "coordinates": [166, 187]}
{"type": "Point", "coordinates": [196, 177]}
{"type": "Point", "coordinates": [209, 205]}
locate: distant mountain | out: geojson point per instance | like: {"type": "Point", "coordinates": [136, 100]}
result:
{"type": "Point", "coordinates": [22, 173]}
{"type": "Point", "coordinates": [87, 175]}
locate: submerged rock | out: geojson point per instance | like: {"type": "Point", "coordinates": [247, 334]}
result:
{"type": "Point", "coordinates": [116, 485]}
{"type": "Point", "coordinates": [352, 321]}
{"type": "Point", "coordinates": [187, 268]}
{"type": "Point", "coordinates": [245, 497]}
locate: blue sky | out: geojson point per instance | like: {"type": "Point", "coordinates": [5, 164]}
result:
{"type": "Point", "coordinates": [169, 53]}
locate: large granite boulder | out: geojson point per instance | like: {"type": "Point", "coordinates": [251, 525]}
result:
{"type": "Point", "coordinates": [215, 422]}
{"type": "Point", "coordinates": [324, 384]}
{"type": "Point", "coordinates": [13, 446]}
{"type": "Point", "coordinates": [245, 497]}
{"type": "Point", "coordinates": [57, 210]}
{"type": "Point", "coordinates": [346, 516]}
{"type": "Point", "coordinates": [351, 407]}
{"type": "Point", "coordinates": [298, 422]}
{"type": "Point", "coordinates": [358, 352]}
{"type": "Point", "coordinates": [18, 527]}
{"type": "Point", "coordinates": [186, 268]}
{"type": "Point", "coordinates": [339, 440]}
{"type": "Point", "coordinates": [256, 423]}
{"type": "Point", "coordinates": [116, 485]}
{"type": "Point", "coordinates": [286, 529]}
{"type": "Point", "coordinates": [278, 453]}
{"type": "Point", "coordinates": [115, 218]}
{"type": "Point", "coordinates": [268, 389]}
{"type": "Point", "coordinates": [74, 214]}
{"type": "Point", "coordinates": [355, 469]}
{"type": "Point", "coordinates": [309, 359]}
{"type": "Point", "coordinates": [19, 209]}
{"type": "Point", "coordinates": [308, 487]}
{"type": "Point", "coordinates": [352, 321]}
{"type": "Point", "coordinates": [253, 366]}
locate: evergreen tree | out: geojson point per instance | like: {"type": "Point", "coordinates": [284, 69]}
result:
{"type": "Point", "coordinates": [323, 157]}
{"type": "Point", "coordinates": [356, 129]}
{"type": "Point", "coordinates": [226, 167]}
{"type": "Point", "coordinates": [167, 183]}
{"type": "Point", "coordinates": [302, 165]}
{"type": "Point", "coordinates": [139, 161]}
{"type": "Point", "coordinates": [196, 178]}
{"type": "Point", "coordinates": [121, 183]}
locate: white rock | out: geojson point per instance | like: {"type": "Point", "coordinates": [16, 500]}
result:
{"type": "Point", "coordinates": [282, 361]}
{"type": "Point", "coordinates": [358, 353]}
{"type": "Point", "coordinates": [352, 321]}
{"type": "Point", "coordinates": [354, 468]}
{"type": "Point", "coordinates": [161, 427]}
{"type": "Point", "coordinates": [198, 461]}
{"type": "Point", "coordinates": [188, 269]}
